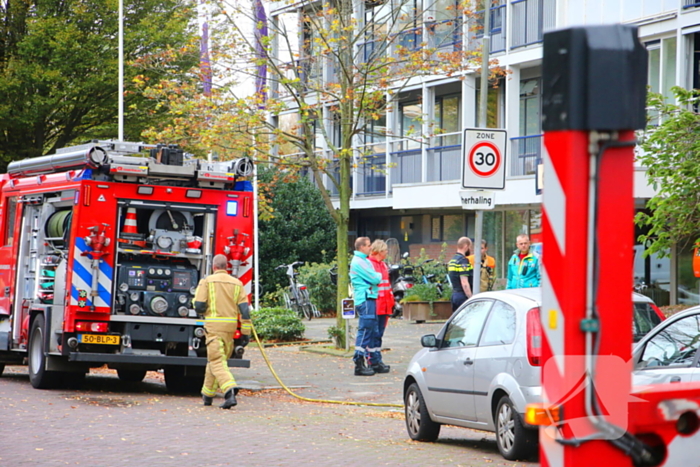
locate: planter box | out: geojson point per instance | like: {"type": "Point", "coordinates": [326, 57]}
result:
{"type": "Point", "coordinates": [420, 311]}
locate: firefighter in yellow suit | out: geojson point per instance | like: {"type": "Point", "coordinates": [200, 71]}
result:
{"type": "Point", "coordinates": [221, 298]}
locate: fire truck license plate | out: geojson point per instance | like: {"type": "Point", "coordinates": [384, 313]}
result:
{"type": "Point", "coordinates": [98, 339]}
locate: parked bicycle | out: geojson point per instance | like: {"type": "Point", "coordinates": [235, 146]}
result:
{"type": "Point", "coordinates": [296, 297]}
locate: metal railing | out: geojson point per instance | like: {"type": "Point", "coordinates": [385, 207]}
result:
{"type": "Point", "coordinates": [498, 30]}
{"type": "Point", "coordinates": [405, 161]}
{"type": "Point", "coordinates": [690, 3]}
{"type": "Point", "coordinates": [527, 151]}
{"type": "Point", "coordinates": [531, 18]}
{"type": "Point", "coordinates": [371, 174]}
{"type": "Point", "coordinates": [444, 157]}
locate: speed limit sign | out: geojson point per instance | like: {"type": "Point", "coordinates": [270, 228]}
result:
{"type": "Point", "coordinates": [483, 161]}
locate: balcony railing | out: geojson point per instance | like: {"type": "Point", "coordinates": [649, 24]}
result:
{"type": "Point", "coordinates": [406, 162]}
{"type": "Point", "coordinates": [531, 18]}
{"type": "Point", "coordinates": [498, 34]}
{"type": "Point", "coordinates": [527, 151]}
{"type": "Point", "coordinates": [690, 3]}
{"type": "Point", "coordinates": [444, 157]}
{"type": "Point", "coordinates": [371, 170]}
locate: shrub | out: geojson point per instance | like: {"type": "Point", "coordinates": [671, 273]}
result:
{"type": "Point", "coordinates": [318, 281]}
{"type": "Point", "coordinates": [278, 324]}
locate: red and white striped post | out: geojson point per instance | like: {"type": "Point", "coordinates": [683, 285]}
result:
{"type": "Point", "coordinates": [594, 97]}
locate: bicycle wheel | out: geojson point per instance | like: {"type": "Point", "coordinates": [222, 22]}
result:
{"type": "Point", "coordinates": [287, 301]}
{"type": "Point", "coordinates": [317, 314]}
{"type": "Point", "coordinates": [306, 309]}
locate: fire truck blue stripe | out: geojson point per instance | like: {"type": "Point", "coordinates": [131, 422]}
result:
{"type": "Point", "coordinates": [74, 295]}
{"type": "Point", "coordinates": [105, 295]}
{"type": "Point", "coordinates": [83, 273]}
{"type": "Point", "coordinates": [106, 269]}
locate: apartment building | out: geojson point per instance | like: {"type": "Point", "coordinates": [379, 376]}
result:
{"type": "Point", "coordinates": [406, 181]}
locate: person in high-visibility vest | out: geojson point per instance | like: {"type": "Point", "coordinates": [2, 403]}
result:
{"type": "Point", "coordinates": [488, 269]}
{"type": "Point", "coordinates": [385, 304]}
{"type": "Point", "coordinates": [459, 269]}
{"type": "Point", "coordinates": [222, 300]}
{"type": "Point", "coordinates": [524, 266]}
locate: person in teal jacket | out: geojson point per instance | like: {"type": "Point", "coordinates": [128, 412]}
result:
{"type": "Point", "coordinates": [524, 266]}
{"type": "Point", "coordinates": [365, 284]}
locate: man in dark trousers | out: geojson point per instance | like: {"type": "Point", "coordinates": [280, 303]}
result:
{"type": "Point", "coordinates": [458, 270]}
{"type": "Point", "coordinates": [365, 285]}
{"type": "Point", "coordinates": [222, 300]}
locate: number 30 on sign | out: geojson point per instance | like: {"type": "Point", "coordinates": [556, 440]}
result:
{"type": "Point", "coordinates": [483, 161]}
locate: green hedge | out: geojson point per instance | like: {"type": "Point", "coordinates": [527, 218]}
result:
{"type": "Point", "coordinates": [278, 324]}
{"type": "Point", "coordinates": [318, 281]}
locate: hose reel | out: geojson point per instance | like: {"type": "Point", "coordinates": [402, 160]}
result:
{"type": "Point", "coordinates": [58, 224]}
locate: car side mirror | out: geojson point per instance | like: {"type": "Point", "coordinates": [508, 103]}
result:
{"type": "Point", "coordinates": [429, 341]}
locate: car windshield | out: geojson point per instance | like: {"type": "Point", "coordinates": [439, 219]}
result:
{"type": "Point", "coordinates": [675, 345]}
{"type": "Point", "coordinates": [644, 320]}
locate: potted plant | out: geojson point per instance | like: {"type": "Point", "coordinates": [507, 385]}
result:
{"type": "Point", "coordinates": [424, 301]}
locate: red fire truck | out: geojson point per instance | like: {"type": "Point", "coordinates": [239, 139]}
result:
{"type": "Point", "coordinates": [101, 249]}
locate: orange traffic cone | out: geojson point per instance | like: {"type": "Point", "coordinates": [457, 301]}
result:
{"type": "Point", "coordinates": [130, 222]}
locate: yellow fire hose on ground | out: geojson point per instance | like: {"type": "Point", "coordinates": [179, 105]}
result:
{"type": "Point", "coordinates": [324, 401]}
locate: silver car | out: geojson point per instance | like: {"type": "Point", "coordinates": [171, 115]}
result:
{"type": "Point", "coordinates": [483, 368]}
{"type": "Point", "coordinates": [669, 353]}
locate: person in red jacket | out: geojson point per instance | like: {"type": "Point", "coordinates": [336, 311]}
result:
{"type": "Point", "coordinates": [385, 304]}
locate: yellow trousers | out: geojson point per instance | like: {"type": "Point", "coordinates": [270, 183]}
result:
{"type": "Point", "coordinates": [219, 349]}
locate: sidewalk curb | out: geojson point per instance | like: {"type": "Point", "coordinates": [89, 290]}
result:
{"type": "Point", "coordinates": [326, 350]}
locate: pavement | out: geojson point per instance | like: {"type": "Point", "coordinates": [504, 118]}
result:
{"type": "Point", "coordinates": [108, 422]}
{"type": "Point", "coordinates": [320, 371]}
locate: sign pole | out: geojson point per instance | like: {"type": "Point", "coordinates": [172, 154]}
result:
{"type": "Point", "coordinates": [478, 227]}
{"type": "Point", "coordinates": [483, 99]}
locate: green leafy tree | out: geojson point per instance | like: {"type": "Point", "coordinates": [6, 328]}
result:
{"type": "Point", "coordinates": [330, 87]}
{"type": "Point", "coordinates": [671, 153]}
{"type": "Point", "coordinates": [299, 228]}
{"type": "Point", "coordinates": [59, 68]}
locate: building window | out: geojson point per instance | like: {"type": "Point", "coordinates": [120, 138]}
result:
{"type": "Point", "coordinates": [662, 70]}
{"type": "Point", "coordinates": [410, 25]}
{"type": "Point", "coordinates": [436, 229]}
{"type": "Point", "coordinates": [377, 15]}
{"type": "Point", "coordinates": [494, 105]}
{"type": "Point", "coordinates": [411, 115]}
{"type": "Point", "coordinates": [447, 119]}
{"type": "Point", "coordinates": [375, 131]}
{"type": "Point", "coordinates": [530, 107]}
{"type": "Point", "coordinates": [446, 31]}
{"type": "Point", "coordinates": [289, 125]}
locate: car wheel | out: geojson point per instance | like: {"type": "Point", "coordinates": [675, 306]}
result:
{"type": "Point", "coordinates": [513, 439]}
{"type": "Point", "coordinates": [418, 423]}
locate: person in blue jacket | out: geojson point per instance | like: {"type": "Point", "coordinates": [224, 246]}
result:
{"type": "Point", "coordinates": [524, 266]}
{"type": "Point", "coordinates": [365, 283]}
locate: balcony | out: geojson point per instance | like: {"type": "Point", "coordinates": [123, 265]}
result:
{"type": "Point", "coordinates": [405, 161]}
{"type": "Point", "coordinates": [445, 157]}
{"type": "Point", "coordinates": [527, 152]}
{"type": "Point", "coordinates": [531, 18]}
{"type": "Point", "coordinates": [498, 34]}
{"type": "Point", "coordinates": [371, 170]}
{"type": "Point", "coordinates": [690, 3]}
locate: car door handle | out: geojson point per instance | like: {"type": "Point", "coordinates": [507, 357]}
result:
{"type": "Point", "coordinates": [676, 379]}
{"type": "Point", "coordinates": [468, 361]}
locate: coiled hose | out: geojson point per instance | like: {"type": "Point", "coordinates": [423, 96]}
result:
{"type": "Point", "coordinates": [307, 399]}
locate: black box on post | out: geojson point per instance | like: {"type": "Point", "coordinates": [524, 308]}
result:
{"type": "Point", "coordinates": [594, 78]}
